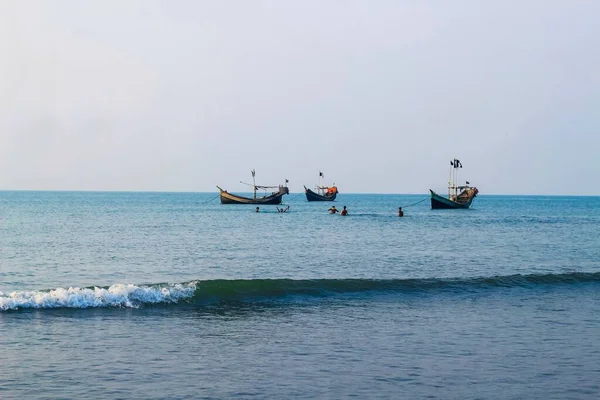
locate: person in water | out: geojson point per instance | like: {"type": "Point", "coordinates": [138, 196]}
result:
{"type": "Point", "coordinates": [400, 212]}
{"type": "Point", "coordinates": [344, 212]}
{"type": "Point", "coordinates": [257, 209]}
{"type": "Point", "coordinates": [333, 210]}
{"type": "Point", "coordinates": [283, 209]}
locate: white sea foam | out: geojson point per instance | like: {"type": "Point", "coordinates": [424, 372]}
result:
{"type": "Point", "coordinates": [119, 295]}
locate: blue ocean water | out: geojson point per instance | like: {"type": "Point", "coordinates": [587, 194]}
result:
{"type": "Point", "coordinates": [173, 295]}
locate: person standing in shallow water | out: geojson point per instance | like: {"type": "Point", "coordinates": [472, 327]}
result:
{"type": "Point", "coordinates": [344, 212]}
{"type": "Point", "coordinates": [400, 212]}
{"type": "Point", "coordinates": [333, 210]}
{"type": "Point", "coordinates": [257, 209]}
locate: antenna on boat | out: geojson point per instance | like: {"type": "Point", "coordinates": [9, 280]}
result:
{"type": "Point", "coordinates": [254, 182]}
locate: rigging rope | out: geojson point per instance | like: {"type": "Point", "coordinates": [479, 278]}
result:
{"type": "Point", "coordinates": [214, 198]}
{"type": "Point", "coordinates": [414, 204]}
{"type": "Point", "coordinates": [291, 198]}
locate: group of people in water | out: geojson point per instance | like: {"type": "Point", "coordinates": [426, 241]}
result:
{"type": "Point", "coordinates": [332, 210]}
{"type": "Point", "coordinates": [281, 210]}
{"type": "Point", "coordinates": [344, 211]}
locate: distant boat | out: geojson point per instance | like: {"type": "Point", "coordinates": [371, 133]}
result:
{"type": "Point", "coordinates": [458, 196]}
{"type": "Point", "coordinates": [323, 193]}
{"type": "Point", "coordinates": [273, 198]}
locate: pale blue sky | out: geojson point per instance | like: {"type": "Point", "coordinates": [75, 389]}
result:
{"type": "Point", "coordinates": [185, 95]}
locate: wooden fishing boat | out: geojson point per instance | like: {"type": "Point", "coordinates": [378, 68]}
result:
{"type": "Point", "coordinates": [462, 200]}
{"type": "Point", "coordinates": [323, 193]}
{"type": "Point", "coordinates": [312, 196]}
{"type": "Point", "coordinates": [458, 196]}
{"type": "Point", "coordinates": [273, 198]}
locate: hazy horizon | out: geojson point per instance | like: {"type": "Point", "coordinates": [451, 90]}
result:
{"type": "Point", "coordinates": [182, 96]}
{"type": "Point", "coordinates": [292, 193]}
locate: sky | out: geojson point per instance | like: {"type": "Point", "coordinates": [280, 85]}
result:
{"type": "Point", "coordinates": [380, 95]}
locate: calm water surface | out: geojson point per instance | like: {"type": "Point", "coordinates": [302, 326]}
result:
{"type": "Point", "coordinates": [172, 295]}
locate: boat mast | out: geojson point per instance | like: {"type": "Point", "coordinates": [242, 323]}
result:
{"type": "Point", "coordinates": [452, 184]}
{"type": "Point", "coordinates": [455, 178]}
{"type": "Point", "coordinates": [320, 189]}
{"type": "Point", "coordinates": [254, 183]}
{"type": "Point", "coordinates": [450, 179]}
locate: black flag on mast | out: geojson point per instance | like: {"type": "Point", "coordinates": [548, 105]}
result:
{"type": "Point", "coordinates": [456, 163]}
{"type": "Point", "coordinates": [320, 173]}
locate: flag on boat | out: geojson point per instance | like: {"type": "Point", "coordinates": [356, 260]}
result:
{"type": "Point", "coordinates": [456, 163]}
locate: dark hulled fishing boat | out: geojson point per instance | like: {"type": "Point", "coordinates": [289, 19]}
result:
{"type": "Point", "coordinates": [462, 200]}
{"type": "Point", "coordinates": [323, 193]}
{"type": "Point", "coordinates": [458, 196]}
{"type": "Point", "coordinates": [312, 196]}
{"type": "Point", "coordinates": [273, 198]}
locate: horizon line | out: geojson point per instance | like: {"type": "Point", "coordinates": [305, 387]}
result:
{"type": "Point", "coordinates": [290, 193]}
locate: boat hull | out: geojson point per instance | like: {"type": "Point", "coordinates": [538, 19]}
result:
{"type": "Point", "coordinates": [442, 203]}
{"type": "Point", "coordinates": [275, 198]}
{"type": "Point", "coordinates": [312, 196]}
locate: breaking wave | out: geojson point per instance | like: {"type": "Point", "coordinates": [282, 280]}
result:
{"type": "Point", "coordinates": [119, 295]}
{"type": "Point", "coordinates": [223, 290]}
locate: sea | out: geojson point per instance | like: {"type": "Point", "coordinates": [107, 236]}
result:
{"type": "Point", "coordinates": [175, 296]}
